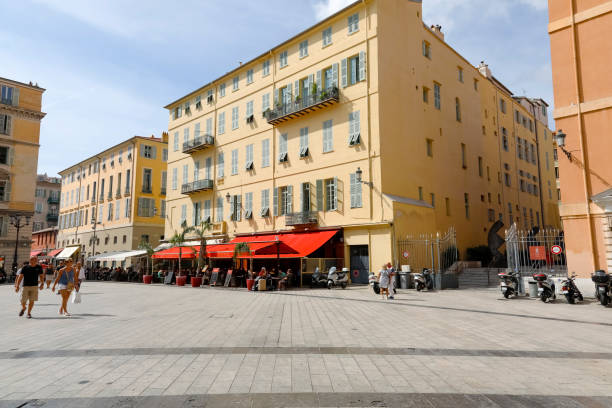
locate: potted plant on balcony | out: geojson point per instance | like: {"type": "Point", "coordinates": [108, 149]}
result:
{"type": "Point", "coordinates": [200, 231]}
{"type": "Point", "coordinates": [177, 240]}
{"type": "Point", "coordinates": [145, 245]}
{"type": "Point", "coordinates": [313, 89]}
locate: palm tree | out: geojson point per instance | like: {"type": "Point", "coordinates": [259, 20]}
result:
{"type": "Point", "coordinates": [177, 240]}
{"type": "Point", "coordinates": [145, 245]}
{"type": "Point", "coordinates": [200, 232]}
{"type": "Point", "coordinates": [240, 248]}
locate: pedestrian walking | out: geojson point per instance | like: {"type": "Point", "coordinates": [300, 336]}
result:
{"type": "Point", "coordinates": [383, 281]}
{"type": "Point", "coordinates": [66, 277]}
{"type": "Point", "coordinates": [391, 280]}
{"type": "Point", "coordinates": [49, 275]}
{"type": "Point", "coordinates": [80, 272]}
{"type": "Point", "coordinates": [30, 276]}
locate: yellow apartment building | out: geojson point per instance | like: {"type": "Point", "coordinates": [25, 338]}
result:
{"type": "Point", "coordinates": [368, 123]}
{"type": "Point", "coordinates": [114, 200]}
{"type": "Point", "coordinates": [20, 117]}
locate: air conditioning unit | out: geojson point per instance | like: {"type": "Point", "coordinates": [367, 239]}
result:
{"type": "Point", "coordinates": [248, 214]}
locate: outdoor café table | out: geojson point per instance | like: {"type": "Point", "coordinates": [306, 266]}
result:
{"type": "Point", "coordinates": [275, 280]}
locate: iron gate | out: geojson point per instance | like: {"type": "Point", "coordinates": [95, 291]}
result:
{"type": "Point", "coordinates": [437, 252]}
{"type": "Point", "coordinates": [536, 250]}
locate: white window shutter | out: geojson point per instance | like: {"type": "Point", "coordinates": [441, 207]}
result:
{"type": "Point", "coordinates": [296, 85]}
{"type": "Point", "coordinates": [275, 201]}
{"type": "Point", "coordinates": [8, 125]}
{"type": "Point", "coordinates": [289, 208]}
{"type": "Point", "coordinates": [344, 72]}
{"type": "Point", "coordinates": [238, 207]}
{"type": "Point", "coordinates": [7, 191]}
{"type": "Point", "coordinates": [276, 97]}
{"type": "Point", "coordinates": [336, 193]}
{"type": "Point", "coordinates": [353, 188]}
{"type": "Point", "coordinates": [319, 81]}
{"type": "Point", "coordinates": [232, 208]}
{"type": "Point", "coordinates": [15, 96]}
{"type": "Point", "coordinates": [154, 152]}
{"type": "Point", "coordinates": [335, 74]}
{"type": "Point", "coordinates": [289, 93]}
{"type": "Point", "coordinates": [351, 121]}
{"type": "Point", "coordinates": [311, 80]}
{"type": "Point", "coordinates": [356, 124]}
{"type": "Point", "coordinates": [362, 66]}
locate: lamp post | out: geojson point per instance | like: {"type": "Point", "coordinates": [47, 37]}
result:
{"type": "Point", "coordinates": [560, 138]}
{"type": "Point", "coordinates": [358, 174]}
{"type": "Point", "coordinates": [18, 221]}
{"type": "Point", "coordinates": [95, 225]}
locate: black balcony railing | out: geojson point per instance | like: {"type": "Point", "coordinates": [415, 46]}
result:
{"type": "Point", "coordinates": [147, 189]}
{"type": "Point", "coordinates": [301, 218]}
{"type": "Point", "coordinates": [51, 217]}
{"type": "Point", "coordinates": [53, 200]}
{"type": "Point", "coordinates": [301, 106]}
{"type": "Point", "coordinates": [196, 186]}
{"type": "Point", "coordinates": [198, 143]}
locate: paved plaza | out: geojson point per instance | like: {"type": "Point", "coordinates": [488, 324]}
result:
{"type": "Point", "coordinates": [132, 345]}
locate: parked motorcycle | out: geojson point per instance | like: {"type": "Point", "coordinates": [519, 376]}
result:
{"type": "Point", "coordinates": [373, 281]}
{"type": "Point", "coordinates": [423, 280]}
{"type": "Point", "coordinates": [603, 286]}
{"type": "Point", "coordinates": [335, 278]}
{"type": "Point", "coordinates": [319, 280]}
{"type": "Point", "coordinates": [570, 290]}
{"type": "Point", "coordinates": [509, 283]}
{"type": "Point", "coordinates": [546, 287]}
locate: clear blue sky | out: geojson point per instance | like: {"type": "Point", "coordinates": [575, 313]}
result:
{"type": "Point", "coordinates": [110, 66]}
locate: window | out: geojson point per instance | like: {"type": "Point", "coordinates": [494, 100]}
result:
{"type": "Point", "coordinates": [185, 136]}
{"type": "Point", "coordinates": [437, 102]}
{"type": "Point", "coordinates": [183, 214]}
{"type": "Point", "coordinates": [282, 147]}
{"type": "Point", "coordinates": [209, 126]}
{"type": "Point", "coordinates": [304, 142]}
{"type": "Point", "coordinates": [354, 129]}
{"type": "Point", "coordinates": [429, 145]}
{"type": "Point", "coordinates": [432, 197]}
{"type": "Point", "coordinates": [355, 74]}
{"type": "Point", "coordinates": [185, 174]}
{"type": "Point", "coordinates": [222, 90]}
{"type": "Point", "coordinates": [248, 206]}
{"type": "Point", "coordinates": [234, 162]}
{"type": "Point", "coordinates": [502, 105]}
{"type": "Point", "coordinates": [196, 131]}
{"type": "Point", "coordinates": [425, 94]}
{"type": "Point", "coordinates": [197, 212]}
{"type": "Point", "coordinates": [475, 84]}
{"type": "Point", "coordinates": [327, 37]}
{"type": "Point", "coordinates": [544, 114]}
{"type": "Point", "coordinates": [265, 68]}
{"type": "Point", "coordinates": [196, 170]}
{"type": "Point", "coordinates": [110, 212]}
{"type": "Point", "coordinates": [466, 199]}
{"type": "Point", "coordinates": [178, 112]}
{"type": "Point", "coordinates": [533, 155]}
{"type": "Point", "coordinates": [235, 207]}
{"type": "Point", "coordinates": [219, 214]}
{"type": "Point", "coordinates": [207, 211]}
{"type": "Point", "coordinates": [235, 82]}
{"type": "Point", "coordinates": [39, 207]}
{"type": "Point", "coordinates": [457, 110]}
{"type": "Point", "coordinates": [420, 189]}
{"type": "Point", "coordinates": [265, 102]}
{"type": "Point", "coordinates": [4, 157]}
{"type": "Point", "coordinates": [547, 162]}
{"type": "Point", "coordinates": [356, 201]}
{"type": "Point", "coordinates": [328, 139]}
{"type": "Point", "coordinates": [249, 76]}
{"type": "Point", "coordinates": [283, 59]}
{"type": "Point", "coordinates": [146, 181]}
{"type": "Point", "coordinates": [234, 118]}
{"type": "Point", "coordinates": [10, 95]}
{"type": "Point", "coordinates": [249, 157]}
{"type": "Point", "coordinates": [463, 156]}
{"type": "Point", "coordinates": [480, 172]}
{"type": "Point", "coordinates": [221, 123]}
{"type": "Point", "coordinates": [505, 139]}
{"type": "Point", "coordinates": [304, 49]}
{"type": "Point", "coordinates": [460, 74]}
{"type": "Point", "coordinates": [507, 179]}
{"type": "Point", "coordinates": [265, 153]}
{"type": "Point", "coordinates": [331, 194]}
{"type": "Point", "coordinates": [353, 23]}
{"type": "Point", "coordinates": [519, 148]}
{"type": "Point", "coordinates": [249, 111]}
{"type": "Point", "coordinates": [447, 204]}
{"type": "Point", "coordinates": [265, 203]}
{"type": "Point", "coordinates": [220, 165]}
{"type": "Point", "coordinates": [208, 168]}
{"type": "Point", "coordinates": [165, 155]}
{"type": "Point", "coordinates": [164, 182]}
{"type": "Point", "coordinates": [5, 124]}
{"type": "Point", "coordinates": [426, 49]}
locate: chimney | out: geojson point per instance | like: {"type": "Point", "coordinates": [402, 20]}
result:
{"type": "Point", "coordinates": [437, 29]}
{"type": "Point", "coordinates": [484, 69]}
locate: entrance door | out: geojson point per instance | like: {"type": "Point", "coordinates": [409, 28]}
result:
{"type": "Point", "coordinates": [360, 262]}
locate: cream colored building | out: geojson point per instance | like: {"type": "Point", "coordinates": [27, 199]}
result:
{"type": "Point", "coordinates": [117, 195]}
{"type": "Point", "coordinates": [20, 118]}
{"type": "Point", "coordinates": [46, 204]}
{"type": "Point", "coordinates": [276, 144]}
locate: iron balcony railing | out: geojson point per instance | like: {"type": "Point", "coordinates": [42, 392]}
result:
{"type": "Point", "coordinates": [53, 200]}
{"type": "Point", "coordinates": [303, 105]}
{"type": "Point", "coordinates": [198, 143]}
{"type": "Point", "coordinates": [52, 217]}
{"type": "Point", "coordinates": [301, 218]}
{"type": "Point", "coordinates": [196, 186]}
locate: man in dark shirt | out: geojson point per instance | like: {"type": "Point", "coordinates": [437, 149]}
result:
{"type": "Point", "coordinates": [31, 275]}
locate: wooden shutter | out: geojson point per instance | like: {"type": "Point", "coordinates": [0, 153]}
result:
{"type": "Point", "coordinates": [337, 199]}
{"type": "Point", "coordinates": [319, 81]}
{"type": "Point", "coordinates": [8, 124]}
{"type": "Point", "coordinates": [335, 74]}
{"type": "Point", "coordinates": [289, 208]}
{"type": "Point", "coordinates": [344, 73]}
{"type": "Point", "coordinates": [154, 152]}
{"type": "Point", "coordinates": [238, 207]}
{"type": "Point", "coordinates": [362, 66]}
{"type": "Point", "coordinates": [15, 96]}
{"type": "Point", "coordinates": [320, 195]}
{"type": "Point", "coordinates": [275, 201]}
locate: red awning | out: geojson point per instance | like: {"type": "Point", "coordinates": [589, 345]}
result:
{"type": "Point", "coordinates": [54, 252]}
{"type": "Point", "coordinates": [187, 252]}
{"type": "Point", "coordinates": [36, 253]}
{"type": "Point", "coordinates": [292, 245]}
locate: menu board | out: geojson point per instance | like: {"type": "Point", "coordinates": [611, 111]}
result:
{"type": "Point", "coordinates": [214, 276]}
{"type": "Point", "coordinates": [228, 278]}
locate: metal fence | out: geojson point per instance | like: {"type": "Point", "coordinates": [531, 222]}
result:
{"type": "Point", "coordinates": [536, 250]}
{"type": "Point", "coordinates": [437, 252]}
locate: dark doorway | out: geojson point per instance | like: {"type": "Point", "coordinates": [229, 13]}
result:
{"type": "Point", "coordinates": [360, 268]}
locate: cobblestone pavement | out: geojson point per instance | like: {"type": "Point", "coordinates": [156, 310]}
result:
{"type": "Point", "coordinates": [131, 345]}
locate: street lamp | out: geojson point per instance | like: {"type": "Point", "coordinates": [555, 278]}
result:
{"type": "Point", "coordinates": [359, 173]}
{"type": "Point", "coordinates": [560, 138]}
{"type": "Point", "coordinates": [95, 225]}
{"type": "Point", "coordinates": [18, 221]}
{"type": "Point", "coordinates": [228, 197]}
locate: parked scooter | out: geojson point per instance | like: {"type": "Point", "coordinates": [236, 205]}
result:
{"type": "Point", "coordinates": [570, 290]}
{"type": "Point", "coordinates": [546, 287]}
{"type": "Point", "coordinates": [509, 283]}
{"type": "Point", "coordinates": [373, 281]}
{"type": "Point", "coordinates": [603, 288]}
{"type": "Point", "coordinates": [335, 278]}
{"type": "Point", "coordinates": [319, 280]}
{"type": "Point", "coordinates": [423, 280]}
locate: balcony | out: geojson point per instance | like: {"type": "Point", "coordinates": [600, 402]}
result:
{"type": "Point", "coordinates": [127, 192]}
{"type": "Point", "coordinates": [196, 186]}
{"type": "Point", "coordinates": [52, 217]}
{"type": "Point", "coordinates": [301, 218]}
{"type": "Point", "coordinates": [310, 103]}
{"type": "Point", "coordinates": [198, 143]}
{"type": "Point", "coordinates": [118, 194]}
{"type": "Point", "coordinates": [53, 200]}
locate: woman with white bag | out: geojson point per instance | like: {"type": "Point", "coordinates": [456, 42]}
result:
{"type": "Point", "coordinates": [66, 277]}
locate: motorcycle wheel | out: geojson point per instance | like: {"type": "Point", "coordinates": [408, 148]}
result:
{"type": "Point", "coordinates": [419, 288]}
{"type": "Point", "coordinates": [544, 297]}
{"type": "Point", "coordinates": [570, 298]}
{"type": "Point", "coordinates": [376, 290]}
{"type": "Point", "coordinates": [343, 285]}
{"type": "Point", "coordinates": [580, 298]}
{"type": "Point", "coordinates": [329, 285]}
{"type": "Point", "coordinates": [604, 300]}
{"type": "Point", "coordinates": [506, 293]}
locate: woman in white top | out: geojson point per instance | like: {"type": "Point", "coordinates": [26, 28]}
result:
{"type": "Point", "coordinates": [80, 275]}
{"type": "Point", "coordinates": [383, 281]}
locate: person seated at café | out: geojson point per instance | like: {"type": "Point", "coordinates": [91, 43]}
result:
{"type": "Point", "coordinates": [283, 280]}
{"type": "Point", "coordinates": [290, 278]}
{"type": "Point", "coordinates": [263, 274]}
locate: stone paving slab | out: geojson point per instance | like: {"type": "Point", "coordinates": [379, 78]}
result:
{"type": "Point", "coordinates": [133, 345]}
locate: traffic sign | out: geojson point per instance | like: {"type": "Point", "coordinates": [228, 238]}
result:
{"type": "Point", "coordinates": [406, 254]}
{"type": "Point", "coordinates": [556, 249]}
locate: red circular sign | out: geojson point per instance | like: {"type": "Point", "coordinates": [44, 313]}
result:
{"type": "Point", "coordinates": [356, 272]}
{"type": "Point", "coordinates": [556, 249]}
{"type": "Point", "coordinates": [406, 254]}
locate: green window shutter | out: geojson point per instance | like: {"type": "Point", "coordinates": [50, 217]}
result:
{"type": "Point", "coordinates": [362, 66]}
{"type": "Point", "coordinates": [2, 118]}
{"type": "Point", "coordinates": [289, 208]}
{"type": "Point", "coordinates": [15, 96]}
{"type": "Point", "coordinates": [275, 201]}
{"type": "Point", "coordinates": [289, 93]}
{"type": "Point", "coordinates": [335, 74]}
{"type": "Point", "coordinates": [311, 80]}
{"type": "Point", "coordinates": [7, 191]}
{"type": "Point", "coordinates": [154, 152]}
{"type": "Point", "coordinates": [238, 208]}
{"type": "Point", "coordinates": [344, 73]}
{"type": "Point", "coordinates": [232, 208]}
{"type": "Point", "coordinates": [320, 195]}
{"type": "Point", "coordinates": [319, 81]}
{"type": "Point", "coordinates": [353, 190]}
{"type": "Point", "coordinates": [276, 97]}
{"type": "Point", "coordinates": [351, 126]}
{"type": "Point", "coordinates": [11, 155]}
